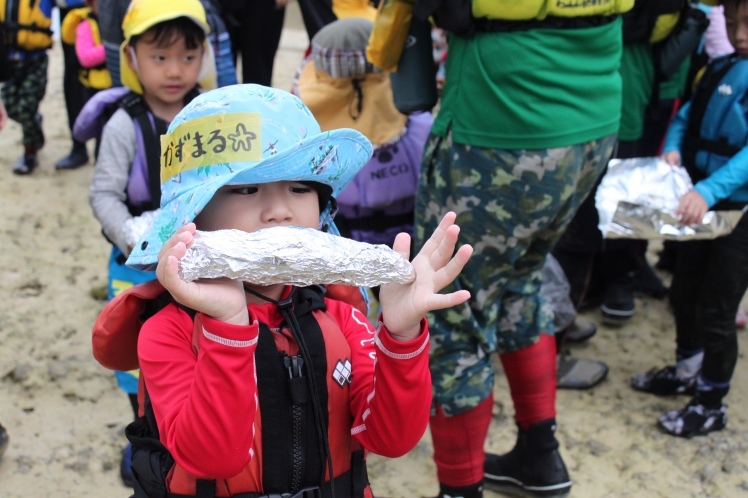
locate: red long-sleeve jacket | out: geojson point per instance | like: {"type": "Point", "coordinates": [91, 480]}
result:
{"type": "Point", "coordinates": [204, 391]}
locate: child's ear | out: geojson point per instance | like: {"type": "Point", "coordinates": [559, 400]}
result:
{"type": "Point", "coordinates": [131, 60]}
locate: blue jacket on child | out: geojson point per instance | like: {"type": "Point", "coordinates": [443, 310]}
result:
{"type": "Point", "coordinates": [711, 133]}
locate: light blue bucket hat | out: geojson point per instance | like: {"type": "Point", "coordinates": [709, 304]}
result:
{"type": "Point", "coordinates": [243, 134]}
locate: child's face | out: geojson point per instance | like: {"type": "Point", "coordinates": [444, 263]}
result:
{"type": "Point", "coordinates": [736, 19]}
{"type": "Point", "coordinates": [166, 73]}
{"type": "Point", "coordinates": [253, 207]}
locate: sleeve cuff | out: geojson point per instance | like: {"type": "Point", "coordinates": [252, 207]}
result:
{"type": "Point", "coordinates": [235, 336]}
{"type": "Point", "coordinates": [706, 194]}
{"type": "Point", "coordinates": [402, 350]}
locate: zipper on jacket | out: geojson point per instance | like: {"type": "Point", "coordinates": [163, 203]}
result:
{"type": "Point", "coordinates": [298, 390]}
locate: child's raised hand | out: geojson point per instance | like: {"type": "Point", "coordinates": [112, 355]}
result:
{"type": "Point", "coordinates": [404, 305]}
{"type": "Point", "coordinates": [221, 298]}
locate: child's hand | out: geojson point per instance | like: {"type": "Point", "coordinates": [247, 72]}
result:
{"type": "Point", "coordinates": [221, 298]}
{"type": "Point", "coordinates": [672, 157]}
{"type": "Point", "coordinates": [691, 207]}
{"type": "Point", "coordinates": [403, 306]}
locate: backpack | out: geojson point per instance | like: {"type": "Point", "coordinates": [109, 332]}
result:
{"type": "Point", "coordinates": [114, 341]}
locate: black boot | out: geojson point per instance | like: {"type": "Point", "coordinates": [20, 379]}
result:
{"type": "Point", "coordinates": [534, 466]}
{"type": "Point", "coordinates": [474, 491]}
{"type": "Point", "coordinates": [78, 157]}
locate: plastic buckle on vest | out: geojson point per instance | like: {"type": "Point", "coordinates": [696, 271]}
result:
{"type": "Point", "coordinates": [293, 364]}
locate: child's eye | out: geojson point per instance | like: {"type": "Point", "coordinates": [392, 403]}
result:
{"type": "Point", "coordinates": [159, 58]}
{"type": "Point", "coordinates": [189, 58]}
{"type": "Point", "coordinates": [300, 189]}
{"type": "Point", "coordinates": [244, 190]}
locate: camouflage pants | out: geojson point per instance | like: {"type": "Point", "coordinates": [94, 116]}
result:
{"type": "Point", "coordinates": [512, 206]}
{"type": "Point", "coordinates": [23, 93]}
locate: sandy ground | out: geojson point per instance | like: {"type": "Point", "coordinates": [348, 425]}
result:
{"type": "Point", "coordinates": [66, 416]}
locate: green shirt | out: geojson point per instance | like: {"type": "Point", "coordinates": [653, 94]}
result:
{"type": "Point", "coordinates": [535, 89]}
{"type": "Point", "coordinates": [637, 73]}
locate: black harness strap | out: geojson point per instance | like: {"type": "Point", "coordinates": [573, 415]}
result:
{"type": "Point", "coordinates": [152, 127]}
{"type": "Point", "coordinates": [485, 25]}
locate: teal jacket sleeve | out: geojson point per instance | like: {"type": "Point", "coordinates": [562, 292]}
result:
{"type": "Point", "coordinates": [723, 182]}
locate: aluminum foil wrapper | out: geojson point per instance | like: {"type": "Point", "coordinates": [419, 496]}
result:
{"type": "Point", "coordinates": [135, 227]}
{"type": "Point", "coordinates": [637, 199]}
{"type": "Point", "coordinates": [294, 256]}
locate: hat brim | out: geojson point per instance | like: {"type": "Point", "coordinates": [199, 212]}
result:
{"type": "Point", "coordinates": [332, 158]}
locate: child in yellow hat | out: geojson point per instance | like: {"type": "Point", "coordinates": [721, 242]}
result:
{"type": "Point", "coordinates": [164, 61]}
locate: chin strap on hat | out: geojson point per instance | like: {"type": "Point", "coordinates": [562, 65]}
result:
{"type": "Point", "coordinates": [325, 219]}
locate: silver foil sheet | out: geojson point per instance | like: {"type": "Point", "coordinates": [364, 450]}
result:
{"type": "Point", "coordinates": [637, 199]}
{"type": "Point", "coordinates": [292, 255]}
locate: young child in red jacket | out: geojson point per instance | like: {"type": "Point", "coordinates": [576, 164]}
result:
{"type": "Point", "coordinates": [268, 390]}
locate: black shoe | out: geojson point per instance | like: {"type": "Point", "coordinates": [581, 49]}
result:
{"type": "Point", "coordinates": [581, 330]}
{"type": "Point", "coordinates": [475, 491]}
{"type": "Point", "coordinates": [26, 164]}
{"type": "Point", "coordinates": [3, 440]}
{"type": "Point", "coordinates": [618, 304]}
{"type": "Point", "coordinates": [695, 419]}
{"type": "Point", "coordinates": [664, 382]}
{"type": "Point", "coordinates": [533, 467]}
{"type": "Point", "coordinates": [77, 158]}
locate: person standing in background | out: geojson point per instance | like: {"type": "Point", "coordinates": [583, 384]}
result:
{"type": "Point", "coordinates": [255, 29]}
{"type": "Point", "coordinates": [515, 177]}
{"type": "Point", "coordinates": [73, 90]}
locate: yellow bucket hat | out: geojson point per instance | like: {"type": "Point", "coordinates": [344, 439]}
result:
{"type": "Point", "coordinates": [144, 14]}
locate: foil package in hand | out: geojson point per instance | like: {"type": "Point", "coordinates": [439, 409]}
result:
{"type": "Point", "coordinates": [637, 199]}
{"type": "Point", "coordinates": [294, 256]}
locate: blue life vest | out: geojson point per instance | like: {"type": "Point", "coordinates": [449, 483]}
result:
{"type": "Point", "coordinates": [718, 121]}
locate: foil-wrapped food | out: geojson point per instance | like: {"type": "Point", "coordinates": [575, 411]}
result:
{"type": "Point", "coordinates": [637, 199]}
{"type": "Point", "coordinates": [294, 256]}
